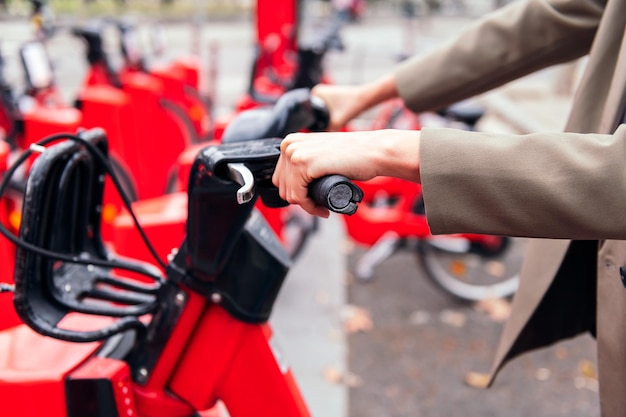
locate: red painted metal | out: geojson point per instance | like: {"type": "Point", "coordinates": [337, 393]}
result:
{"type": "Point", "coordinates": [164, 221]}
{"type": "Point", "coordinates": [146, 137]}
{"type": "Point", "coordinates": [277, 33]}
{"type": "Point", "coordinates": [9, 216]}
{"type": "Point", "coordinates": [33, 369]}
{"type": "Point", "coordinates": [229, 360]}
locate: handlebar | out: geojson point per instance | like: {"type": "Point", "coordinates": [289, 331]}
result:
{"type": "Point", "coordinates": [309, 68]}
{"type": "Point", "coordinates": [62, 212]}
{"type": "Point", "coordinates": [337, 193]}
{"type": "Point", "coordinates": [294, 111]}
{"type": "Point", "coordinates": [91, 33]}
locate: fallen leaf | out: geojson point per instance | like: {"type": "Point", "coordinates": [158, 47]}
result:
{"type": "Point", "coordinates": [477, 380]}
{"type": "Point", "coordinates": [352, 380]}
{"type": "Point", "coordinates": [349, 379]}
{"type": "Point", "coordinates": [332, 375]}
{"type": "Point", "coordinates": [581, 382]}
{"type": "Point", "coordinates": [356, 319]}
{"type": "Point", "coordinates": [587, 369]}
{"type": "Point", "coordinates": [543, 374]}
{"type": "Point", "coordinates": [498, 309]}
{"type": "Point", "coordinates": [452, 318]}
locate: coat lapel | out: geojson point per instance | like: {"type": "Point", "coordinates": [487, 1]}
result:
{"type": "Point", "coordinates": [538, 270]}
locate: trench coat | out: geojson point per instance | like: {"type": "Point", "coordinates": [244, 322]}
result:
{"type": "Point", "coordinates": [552, 185]}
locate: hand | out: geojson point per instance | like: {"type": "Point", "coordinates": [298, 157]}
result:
{"type": "Point", "coordinates": [344, 103]}
{"type": "Point", "coordinates": [356, 155]}
{"type": "Point", "coordinates": [347, 102]}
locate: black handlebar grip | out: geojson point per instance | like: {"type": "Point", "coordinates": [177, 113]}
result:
{"type": "Point", "coordinates": [337, 193]}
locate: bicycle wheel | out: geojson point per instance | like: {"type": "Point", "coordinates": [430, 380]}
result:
{"type": "Point", "coordinates": [470, 272]}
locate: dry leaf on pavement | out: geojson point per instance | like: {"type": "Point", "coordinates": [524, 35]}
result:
{"type": "Point", "coordinates": [349, 379]}
{"type": "Point", "coordinates": [587, 369]}
{"type": "Point", "coordinates": [356, 319]}
{"type": "Point", "coordinates": [477, 380]}
{"type": "Point", "coordinates": [453, 318]}
{"type": "Point", "coordinates": [498, 309]}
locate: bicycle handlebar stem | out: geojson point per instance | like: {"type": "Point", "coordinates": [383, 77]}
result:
{"type": "Point", "coordinates": [96, 55]}
{"type": "Point", "coordinates": [227, 241]}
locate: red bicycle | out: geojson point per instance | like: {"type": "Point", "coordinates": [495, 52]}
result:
{"type": "Point", "coordinates": [107, 344]}
{"type": "Point", "coordinates": [24, 118]}
{"type": "Point", "coordinates": [470, 267]}
{"type": "Point", "coordinates": [180, 78]}
{"type": "Point", "coordinates": [392, 217]}
{"type": "Point", "coordinates": [164, 217]}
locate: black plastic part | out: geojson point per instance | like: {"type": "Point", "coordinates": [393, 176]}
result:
{"type": "Point", "coordinates": [254, 273]}
{"type": "Point", "coordinates": [118, 346]}
{"type": "Point", "coordinates": [215, 219]}
{"type": "Point", "coordinates": [61, 213]}
{"type": "Point", "coordinates": [310, 69]}
{"type": "Point", "coordinates": [294, 111]}
{"type": "Point", "coordinates": [91, 33]}
{"type": "Point", "coordinates": [310, 58]}
{"type": "Point", "coordinates": [467, 112]}
{"type": "Point", "coordinates": [254, 94]}
{"type": "Point", "coordinates": [337, 193]}
{"type": "Point", "coordinates": [90, 398]}
{"type": "Point", "coordinates": [148, 349]}
{"type": "Point", "coordinates": [250, 278]}
{"type": "Point", "coordinates": [229, 249]}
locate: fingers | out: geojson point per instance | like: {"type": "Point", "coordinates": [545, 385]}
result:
{"type": "Point", "coordinates": [291, 178]}
{"type": "Point", "coordinates": [340, 101]}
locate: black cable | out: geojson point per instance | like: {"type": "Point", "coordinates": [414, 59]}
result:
{"type": "Point", "coordinates": [75, 259]}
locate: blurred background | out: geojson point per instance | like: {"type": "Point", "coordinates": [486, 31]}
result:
{"type": "Point", "coordinates": [368, 333]}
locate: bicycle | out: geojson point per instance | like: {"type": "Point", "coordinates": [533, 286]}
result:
{"type": "Point", "coordinates": [164, 217]}
{"type": "Point", "coordinates": [392, 217]}
{"type": "Point", "coordinates": [180, 77]}
{"type": "Point", "coordinates": [141, 348]}
{"type": "Point", "coordinates": [470, 267]}
{"type": "Point", "coordinates": [24, 118]}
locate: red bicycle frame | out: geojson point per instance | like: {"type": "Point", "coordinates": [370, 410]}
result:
{"type": "Point", "coordinates": [193, 373]}
{"type": "Point", "coordinates": [205, 336]}
{"type": "Point", "coordinates": [180, 78]}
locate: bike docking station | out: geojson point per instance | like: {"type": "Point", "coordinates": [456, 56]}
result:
{"type": "Point", "coordinates": [190, 332]}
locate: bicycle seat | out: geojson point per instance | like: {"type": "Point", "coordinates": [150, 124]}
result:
{"type": "Point", "coordinates": [61, 213]}
{"type": "Point", "coordinates": [294, 111]}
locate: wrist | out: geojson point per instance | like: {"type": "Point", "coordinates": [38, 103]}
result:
{"type": "Point", "coordinates": [381, 90]}
{"type": "Point", "coordinates": [399, 154]}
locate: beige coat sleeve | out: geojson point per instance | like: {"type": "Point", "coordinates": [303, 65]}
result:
{"type": "Point", "coordinates": [561, 185]}
{"type": "Point", "coordinates": [514, 41]}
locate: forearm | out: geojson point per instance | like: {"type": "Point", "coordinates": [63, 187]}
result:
{"type": "Point", "coordinates": [356, 155]}
{"type": "Point", "coordinates": [559, 185]}
{"type": "Point", "coordinates": [378, 91]}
